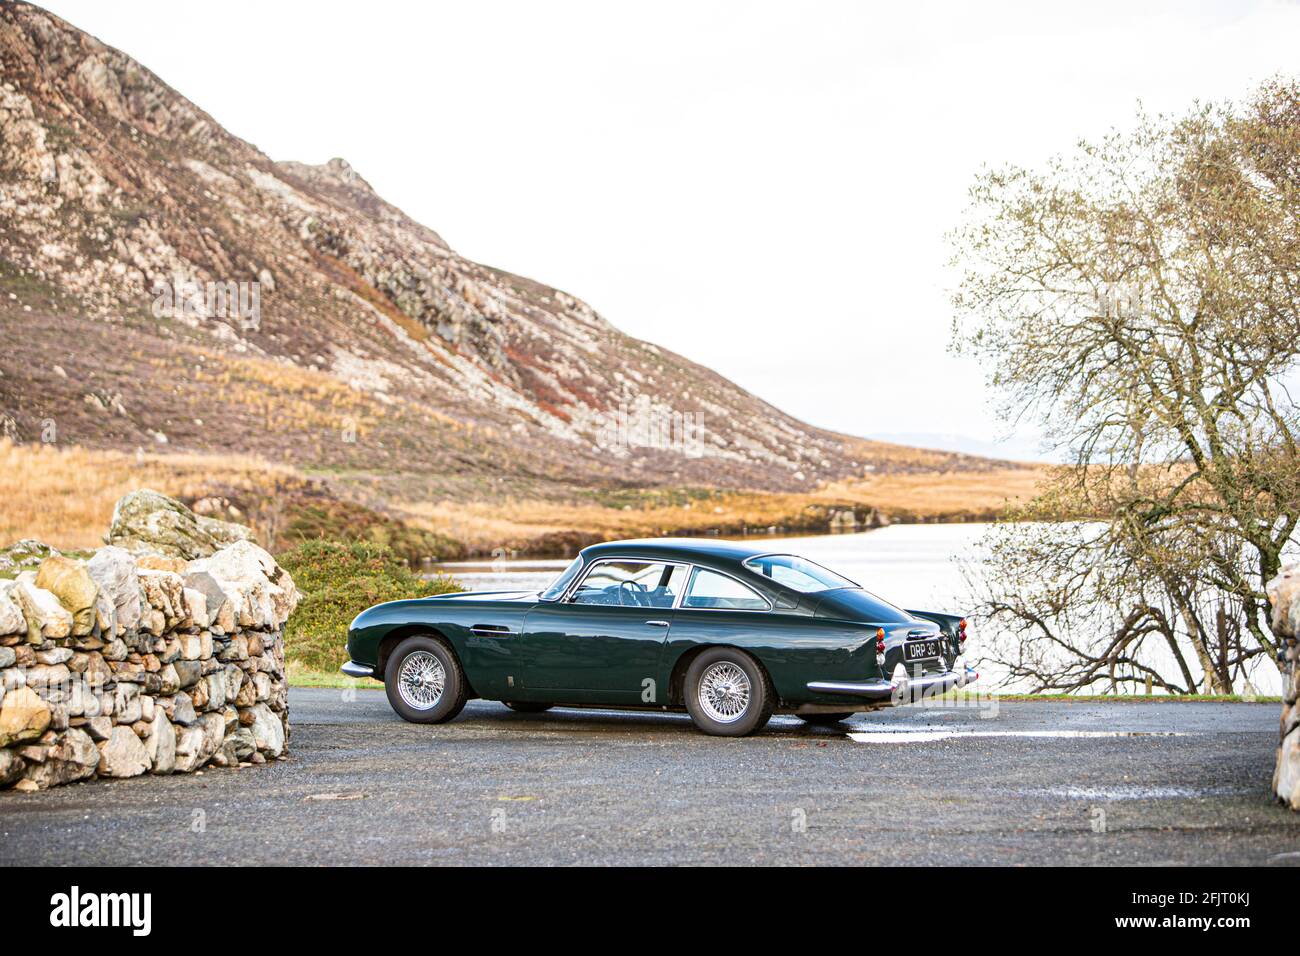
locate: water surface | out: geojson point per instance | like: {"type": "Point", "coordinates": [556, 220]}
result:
{"type": "Point", "coordinates": [915, 566]}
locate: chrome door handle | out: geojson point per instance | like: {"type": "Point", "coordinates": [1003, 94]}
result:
{"type": "Point", "coordinates": [657, 623]}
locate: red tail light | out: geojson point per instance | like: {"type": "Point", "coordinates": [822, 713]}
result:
{"type": "Point", "coordinates": [880, 640]}
{"type": "Point", "coordinates": [961, 630]}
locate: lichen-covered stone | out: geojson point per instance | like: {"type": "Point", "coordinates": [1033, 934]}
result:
{"type": "Point", "coordinates": [73, 757]}
{"type": "Point", "coordinates": [164, 591]}
{"type": "Point", "coordinates": [245, 743]}
{"type": "Point", "coordinates": [24, 555]}
{"type": "Point", "coordinates": [76, 590]}
{"type": "Point", "coordinates": [267, 730]}
{"type": "Point", "coordinates": [114, 570]}
{"type": "Point", "coordinates": [161, 744]}
{"type": "Point", "coordinates": [206, 584]}
{"type": "Point", "coordinates": [46, 617]}
{"type": "Point", "coordinates": [123, 755]}
{"type": "Point", "coordinates": [11, 767]}
{"type": "Point", "coordinates": [11, 615]}
{"type": "Point", "coordinates": [148, 522]}
{"type": "Point", "coordinates": [197, 744]}
{"type": "Point", "coordinates": [24, 715]}
{"type": "Point", "coordinates": [262, 593]}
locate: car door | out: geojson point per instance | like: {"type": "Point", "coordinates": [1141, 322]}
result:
{"type": "Point", "coordinates": [720, 609]}
{"type": "Point", "coordinates": [602, 642]}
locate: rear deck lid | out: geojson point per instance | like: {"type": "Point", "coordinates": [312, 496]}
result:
{"type": "Point", "coordinates": [855, 604]}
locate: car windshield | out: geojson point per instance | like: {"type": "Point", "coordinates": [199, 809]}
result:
{"type": "Point", "coordinates": [561, 584]}
{"type": "Point", "coordinates": [797, 573]}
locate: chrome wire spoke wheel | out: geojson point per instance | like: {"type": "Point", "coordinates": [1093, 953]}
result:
{"type": "Point", "coordinates": [724, 692]}
{"type": "Point", "coordinates": [421, 680]}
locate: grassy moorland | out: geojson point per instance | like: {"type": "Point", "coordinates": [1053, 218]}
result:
{"type": "Point", "coordinates": [348, 546]}
{"type": "Point", "coordinates": [65, 496]}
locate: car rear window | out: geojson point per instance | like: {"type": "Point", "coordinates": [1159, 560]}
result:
{"type": "Point", "coordinates": [798, 574]}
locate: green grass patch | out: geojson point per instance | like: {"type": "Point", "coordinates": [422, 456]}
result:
{"type": "Point", "coordinates": [338, 580]}
{"type": "Point", "coordinates": [313, 516]}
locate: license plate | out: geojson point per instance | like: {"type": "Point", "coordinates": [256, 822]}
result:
{"type": "Point", "coordinates": [920, 650]}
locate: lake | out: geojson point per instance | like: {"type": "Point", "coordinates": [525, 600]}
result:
{"type": "Point", "coordinates": [912, 565]}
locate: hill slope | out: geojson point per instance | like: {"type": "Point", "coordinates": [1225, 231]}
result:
{"type": "Point", "coordinates": [365, 346]}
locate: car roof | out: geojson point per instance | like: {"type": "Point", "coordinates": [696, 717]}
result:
{"type": "Point", "coordinates": [716, 550]}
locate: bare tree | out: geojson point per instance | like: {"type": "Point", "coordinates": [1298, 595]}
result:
{"type": "Point", "coordinates": [1141, 301]}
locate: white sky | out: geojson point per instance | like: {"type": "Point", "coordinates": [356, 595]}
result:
{"type": "Point", "coordinates": [763, 187]}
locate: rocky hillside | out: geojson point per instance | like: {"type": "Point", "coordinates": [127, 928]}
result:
{"type": "Point", "coordinates": [363, 344]}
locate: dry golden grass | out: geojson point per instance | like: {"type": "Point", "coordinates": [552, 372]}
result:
{"type": "Point", "coordinates": [942, 493]}
{"type": "Point", "coordinates": [287, 397]}
{"type": "Point", "coordinates": [65, 496]}
{"type": "Point", "coordinates": [513, 524]}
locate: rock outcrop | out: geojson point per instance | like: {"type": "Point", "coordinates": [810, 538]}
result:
{"type": "Point", "coordinates": [118, 196]}
{"type": "Point", "coordinates": [1284, 596]}
{"type": "Point", "coordinates": [159, 662]}
{"type": "Point", "coordinates": [148, 523]}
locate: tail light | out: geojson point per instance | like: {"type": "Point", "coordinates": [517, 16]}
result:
{"type": "Point", "coordinates": [880, 640]}
{"type": "Point", "coordinates": [961, 631]}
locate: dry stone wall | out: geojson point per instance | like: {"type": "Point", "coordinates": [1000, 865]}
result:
{"type": "Point", "coordinates": [1284, 596]}
{"type": "Point", "coordinates": [160, 659]}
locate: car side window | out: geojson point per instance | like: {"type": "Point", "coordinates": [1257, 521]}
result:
{"type": "Point", "coordinates": [714, 591]}
{"type": "Point", "coordinates": [646, 584]}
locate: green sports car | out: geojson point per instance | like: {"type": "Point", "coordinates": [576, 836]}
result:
{"type": "Point", "coordinates": [727, 631]}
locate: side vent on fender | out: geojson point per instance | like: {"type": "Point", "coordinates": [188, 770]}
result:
{"type": "Point", "coordinates": [491, 630]}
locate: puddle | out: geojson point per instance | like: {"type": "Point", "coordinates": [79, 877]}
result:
{"type": "Point", "coordinates": [1135, 792]}
{"type": "Point", "coordinates": [928, 736]}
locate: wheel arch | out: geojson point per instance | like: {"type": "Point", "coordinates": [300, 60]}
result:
{"type": "Point", "coordinates": [677, 677]}
{"type": "Point", "coordinates": [389, 642]}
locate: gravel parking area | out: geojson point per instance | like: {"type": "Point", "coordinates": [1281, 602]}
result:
{"type": "Point", "coordinates": [1039, 783]}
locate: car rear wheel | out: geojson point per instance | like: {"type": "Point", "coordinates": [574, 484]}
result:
{"type": "Point", "coordinates": [424, 681]}
{"type": "Point", "coordinates": [728, 694]}
{"type": "Point", "coordinates": [527, 706]}
{"type": "Point", "coordinates": [823, 720]}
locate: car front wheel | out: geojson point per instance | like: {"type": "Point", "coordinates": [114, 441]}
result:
{"type": "Point", "coordinates": [424, 681]}
{"type": "Point", "coordinates": [728, 694]}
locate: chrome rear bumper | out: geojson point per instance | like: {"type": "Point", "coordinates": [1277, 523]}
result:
{"type": "Point", "coordinates": [880, 689]}
{"type": "Point", "coordinates": [353, 669]}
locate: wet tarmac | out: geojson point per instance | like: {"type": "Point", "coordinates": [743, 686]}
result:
{"type": "Point", "coordinates": [1010, 783]}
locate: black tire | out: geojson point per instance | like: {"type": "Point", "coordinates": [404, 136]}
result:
{"type": "Point", "coordinates": [527, 706]}
{"type": "Point", "coordinates": [452, 699]}
{"type": "Point", "coordinates": [758, 709]}
{"type": "Point", "coordinates": [824, 720]}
